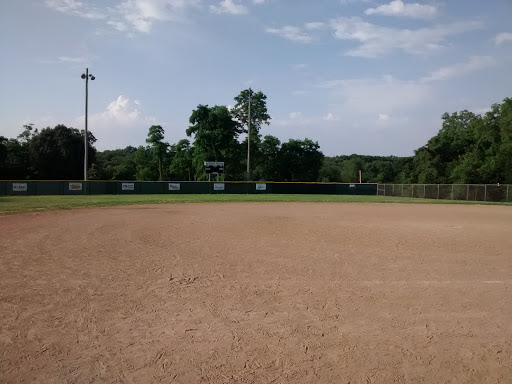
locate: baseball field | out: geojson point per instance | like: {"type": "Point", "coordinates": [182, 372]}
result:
{"type": "Point", "coordinates": [325, 291]}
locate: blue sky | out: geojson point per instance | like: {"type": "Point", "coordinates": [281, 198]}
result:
{"type": "Point", "coordinates": [358, 76]}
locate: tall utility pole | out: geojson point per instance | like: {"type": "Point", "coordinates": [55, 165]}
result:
{"type": "Point", "coordinates": [249, 140]}
{"type": "Point", "coordinates": [86, 76]}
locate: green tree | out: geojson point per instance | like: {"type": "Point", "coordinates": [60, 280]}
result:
{"type": "Point", "coordinates": [215, 139]}
{"type": "Point", "coordinates": [146, 164]}
{"type": "Point", "coordinates": [158, 147]}
{"type": "Point", "coordinates": [257, 101]}
{"type": "Point", "coordinates": [181, 164]}
{"type": "Point", "coordinates": [350, 170]}
{"type": "Point", "coordinates": [3, 149]}
{"type": "Point", "coordinates": [269, 157]}
{"type": "Point", "coordinates": [117, 164]}
{"type": "Point", "coordinates": [300, 160]}
{"type": "Point", "coordinates": [259, 113]}
{"type": "Point", "coordinates": [469, 148]}
{"type": "Point", "coordinates": [330, 171]}
{"type": "Point", "coordinates": [58, 153]}
{"type": "Point", "coordinates": [3, 157]}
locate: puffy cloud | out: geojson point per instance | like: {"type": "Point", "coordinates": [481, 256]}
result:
{"type": "Point", "coordinates": [136, 15]}
{"type": "Point", "coordinates": [329, 117]}
{"type": "Point", "coordinates": [314, 25]}
{"type": "Point", "coordinates": [503, 37]}
{"type": "Point", "coordinates": [76, 8]}
{"type": "Point", "coordinates": [122, 123]}
{"type": "Point", "coordinates": [401, 9]}
{"type": "Point", "coordinates": [375, 40]}
{"type": "Point", "coordinates": [231, 7]}
{"type": "Point", "coordinates": [474, 63]}
{"type": "Point", "coordinates": [140, 15]}
{"type": "Point", "coordinates": [291, 33]}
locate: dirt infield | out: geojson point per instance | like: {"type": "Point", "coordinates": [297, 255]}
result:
{"type": "Point", "coordinates": [257, 292]}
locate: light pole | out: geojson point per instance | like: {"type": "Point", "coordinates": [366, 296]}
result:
{"type": "Point", "coordinates": [249, 140]}
{"type": "Point", "coordinates": [86, 76]}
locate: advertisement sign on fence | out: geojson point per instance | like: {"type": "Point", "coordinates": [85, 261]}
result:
{"type": "Point", "coordinates": [174, 186]}
{"type": "Point", "coordinates": [352, 186]}
{"type": "Point", "coordinates": [75, 186]}
{"type": "Point", "coordinates": [218, 186]}
{"type": "Point", "coordinates": [261, 187]}
{"type": "Point", "coordinates": [19, 187]}
{"type": "Point", "coordinates": [128, 186]}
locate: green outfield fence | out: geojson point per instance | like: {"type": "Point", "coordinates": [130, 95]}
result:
{"type": "Point", "coordinates": [70, 187]}
{"type": "Point", "coordinates": [469, 192]}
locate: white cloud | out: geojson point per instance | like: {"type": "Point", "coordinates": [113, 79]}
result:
{"type": "Point", "coordinates": [122, 123]}
{"type": "Point", "coordinates": [298, 34]}
{"type": "Point", "coordinates": [231, 7]}
{"type": "Point", "coordinates": [474, 63]}
{"type": "Point", "coordinates": [291, 33]}
{"type": "Point", "coordinates": [76, 8]}
{"type": "Point", "coordinates": [314, 25]}
{"type": "Point", "coordinates": [370, 96]}
{"type": "Point", "coordinates": [330, 117]}
{"type": "Point", "coordinates": [375, 40]}
{"type": "Point", "coordinates": [295, 115]}
{"type": "Point", "coordinates": [258, 1]}
{"type": "Point", "coordinates": [345, 2]}
{"type": "Point", "coordinates": [74, 60]}
{"type": "Point", "coordinates": [503, 37]}
{"type": "Point", "coordinates": [137, 15]}
{"type": "Point", "coordinates": [67, 60]}
{"type": "Point", "coordinates": [300, 66]}
{"type": "Point", "coordinates": [383, 117]}
{"type": "Point", "coordinates": [141, 14]}
{"type": "Point", "coordinates": [401, 9]}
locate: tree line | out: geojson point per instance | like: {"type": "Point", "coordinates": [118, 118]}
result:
{"type": "Point", "coordinates": [469, 148]}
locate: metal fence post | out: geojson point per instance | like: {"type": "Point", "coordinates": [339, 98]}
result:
{"type": "Point", "coordinates": [402, 191]}
{"type": "Point", "coordinates": [412, 190]}
{"type": "Point", "coordinates": [508, 186]}
{"type": "Point", "coordinates": [424, 191]}
{"type": "Point", "coordinates": [452, 191]}
{"type": "Point", "coordinates": [393, 190]}
{"type": "Point", "coordinates": [467, 193]}
{"type": "Point", "coordinates": [485, 192]}
{"type": "Point", "coordinates": [438, 194]}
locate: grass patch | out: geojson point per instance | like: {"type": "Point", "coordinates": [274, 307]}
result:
{"type": "Point", "coordinates": [23, 204]}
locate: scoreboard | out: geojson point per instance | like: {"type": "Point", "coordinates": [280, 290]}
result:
{"type": "Point", "coordinates": [214, 167]}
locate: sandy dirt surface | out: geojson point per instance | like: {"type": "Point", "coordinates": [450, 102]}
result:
{"type": "Point", "coordinates": [257, 293]}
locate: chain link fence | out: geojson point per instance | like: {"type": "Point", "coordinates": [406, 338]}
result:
{"type": "Point", "coordinates": [469, 192]}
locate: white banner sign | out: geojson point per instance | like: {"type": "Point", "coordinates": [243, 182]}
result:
{"type": "Point", "coordinates": [218, 186]}
{"type": "Point", "coordinates": [19, 187]}
{"type": "Point", "coordinates": [261, 187]}
{"type": "Point", "coordinates": [75, 186]}
{"type": "Point", "coordinates": [352, 186]}
{"type": "Point", "coordinates": [128, 186]}
{"type": "Point", "coordinates": [174, 186]}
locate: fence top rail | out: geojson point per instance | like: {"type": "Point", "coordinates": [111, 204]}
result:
{"type": "Point", "coordinates": [184, 181]}
{"type": "Point", "coordinates": [475, 185]}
